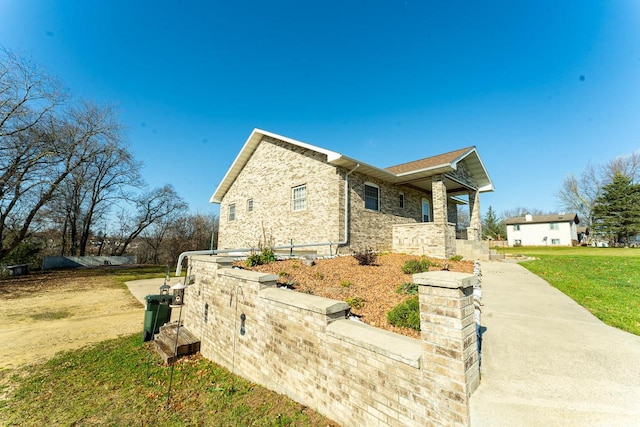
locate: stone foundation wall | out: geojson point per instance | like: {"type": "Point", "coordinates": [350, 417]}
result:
{"type": "Point", "coordinates": [424, 238]}
{"type": "Point", "coordinates": [304, 346]}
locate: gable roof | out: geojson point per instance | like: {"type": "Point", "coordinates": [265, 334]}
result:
{"type": "Point", "coordinates": [406, 173]}
{"type": "Point", "coordinates": [538, 219]}
{"type": "Point", "coordinates": [430, 162]}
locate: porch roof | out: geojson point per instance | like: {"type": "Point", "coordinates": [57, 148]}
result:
{"type": "Point", "coordinates": [416, 173]}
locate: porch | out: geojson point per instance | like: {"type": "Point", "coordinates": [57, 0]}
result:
{"type": "Point", "coordinates": [437, 240]}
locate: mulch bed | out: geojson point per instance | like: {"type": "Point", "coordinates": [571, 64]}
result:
{"type": "Point", "coordinates": [341, 278]}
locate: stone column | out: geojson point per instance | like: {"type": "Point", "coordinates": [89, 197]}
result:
{"type": "Point", "coordinates": [474, 231]}
{"type": "Point", "coordinates": [439, 196]}
{"type": "Point", "coordinates": [450, 353]}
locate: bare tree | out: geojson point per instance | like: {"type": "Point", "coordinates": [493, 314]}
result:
{"type": "Point", "coordinates": [35, 163]}
{"type": "Point", "coordinates": [91, 190]}
{"type": "Point", "coordinates": [27, 95]}
{"type": "Point", "coordinates": [521, 211]}
{"type": "Point", "coordinates": [628, 165]}
{"type": "Point", "coordinates": [150, 208]}
{"type": "Point", "coordinates": [42, 145]}
{"type": "Point", "coordinates": [162, 242]}
{"type": "Point", "coordinates": [579, 194]}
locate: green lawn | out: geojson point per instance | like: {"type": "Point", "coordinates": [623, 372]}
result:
{"type": "Point", "coordinates": [122, 382]}
{"type": "Point", "coordinates": [606, 281]}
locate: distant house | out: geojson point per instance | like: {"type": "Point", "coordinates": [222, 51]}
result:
{"type": "Point", "coordinates": [543, 230]}
{"type": "Point", "coordinates": [583, 234]}
{"type": "Point", "coordinates": [293, 192]}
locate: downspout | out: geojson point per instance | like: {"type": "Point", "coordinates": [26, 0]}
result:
{"type": "Point", "coordinates": [346, 205]}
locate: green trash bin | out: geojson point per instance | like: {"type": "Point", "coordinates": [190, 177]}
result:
{"type": "Point", "coordinates": [157, 313]}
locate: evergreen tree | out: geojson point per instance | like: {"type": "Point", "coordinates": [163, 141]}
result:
{"type": "Point", "coordinates": [616, 212]}
{"type": "Point", "coordinates": [492, 227]}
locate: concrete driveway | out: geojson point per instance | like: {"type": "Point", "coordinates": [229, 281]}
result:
{"type": "Point", "coordinates": [547, 361]}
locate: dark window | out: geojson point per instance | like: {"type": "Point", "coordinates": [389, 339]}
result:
{"type": "Point", "coordinates": [371, 197]}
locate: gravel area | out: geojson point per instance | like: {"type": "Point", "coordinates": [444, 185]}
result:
{"type": "Point", "coordinates": [341, 278]}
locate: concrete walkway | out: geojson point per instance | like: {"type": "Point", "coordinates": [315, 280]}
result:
{"type": "Point", "coordinates": [141, 288]}
{"type": "Point", "coordinates": [547, 361]}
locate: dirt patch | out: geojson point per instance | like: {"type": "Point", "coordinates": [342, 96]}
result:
{"type": "Point", "coordinates": [44, 313]}
{"type": "Point", "coordinates": [372, 290]}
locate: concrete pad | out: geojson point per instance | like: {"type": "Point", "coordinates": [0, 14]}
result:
{"type": "Point", "coordinates": [141, 288]}
{"type": "Point", "coordinates": [548, 361]}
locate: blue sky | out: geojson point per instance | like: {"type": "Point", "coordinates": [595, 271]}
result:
{"type": "Point", "coordinates": [541, 88]}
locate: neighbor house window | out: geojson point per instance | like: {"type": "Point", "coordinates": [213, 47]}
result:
{"type": "Point", "coordinates": [555, 241]}
{"type": "Point", "coordinates": [232, 212]}
{"type": "Point", "coordinates": [517, 242]}
{"type": "Point", "coordinates": [372, 197]}
{"type": "Point", "coordinates": [516, 227]}
{"type": "Point", "coordinates": [401, 200]}
{"type": "Point", "coordinates": [299, 198]}
{"type": "Point", "coordinates": [553, 226]}
{"type": "Point", "coordinates": [250, 205]}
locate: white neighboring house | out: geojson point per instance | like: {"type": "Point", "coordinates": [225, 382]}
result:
{"type": "Point", "coordinates": [543, 230]}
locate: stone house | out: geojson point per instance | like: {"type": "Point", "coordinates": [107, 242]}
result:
{"type": "Point", "coordinates": [293, 193]}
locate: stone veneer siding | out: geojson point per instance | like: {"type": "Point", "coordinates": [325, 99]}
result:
{"type": "Point", "coordinates": [463, 175]}
{"type": "Point", "coordinates": [303, 346]}
{"type": "Point", "coordinates": [374, 229]}
{"type": "Point", "coordinates": [268, 177]}
{"type": "Point", "coordinates": [425, 238]}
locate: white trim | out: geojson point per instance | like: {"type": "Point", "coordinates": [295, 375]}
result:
{"type": "Point", "coordinates": [340, 160]}
{"type": "Point", "coordinates": [231, 209]}
{"type": "Point", "coordinates": [300, 200]}
{"type": "Point", "coordinates": [429, 215]}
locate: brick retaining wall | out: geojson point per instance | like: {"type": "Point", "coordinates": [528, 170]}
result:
{"type": "Point", "coordinates": [303, 346]}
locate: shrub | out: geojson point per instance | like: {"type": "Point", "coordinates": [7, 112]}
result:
{"type": "Point", "coordinates": [406, 314]}
{"type": "Point", "coordinates": [366, 257]}
{"type": "Point", "coordinates": [456, 258]}
{"type": "Point", "coordinates": [265, 254]}
{"type": "Point", "coordinates": [409, 288]}
{"type": "Point", "coordinates": [345, 283]}
{"type": "Point", "coordinates": [258, 258]}
{"type": "Point", "coordinates": [414, 266]}
{"type": "Point", "coordinates": [317, 275]}
{"type": "Point", "coordinates": [355, 302]}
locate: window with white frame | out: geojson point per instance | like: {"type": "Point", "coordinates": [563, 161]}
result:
{"type": "Point", "coordinates": [371, 197]}
{"type": "Point", "coordinates": [517, 242]}
{"type": "Point", "coordinates": [426, 210]}
{"type": "Point", "coordinates": [401, 200]}
{"type": "Point", "coordinates": [555, 241]}
{"type": "Point", "coordinates": [250, 205]}
{"type": "Point", "coordinates": [553, 226]}
{"type": "Point", "coordinates": [232, 212]}
{"type": "Point", "coordinates": [516, 227]}
{"type": "Point", "coordinates": [299, 198]}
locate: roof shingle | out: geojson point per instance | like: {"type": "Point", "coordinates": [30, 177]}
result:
{"type": "Point", "coordinates": [428, 162]}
